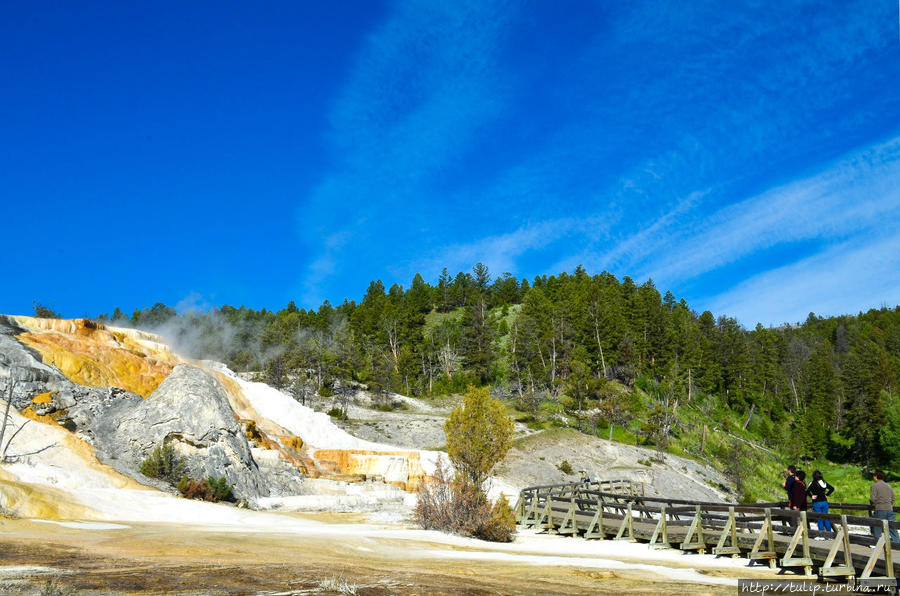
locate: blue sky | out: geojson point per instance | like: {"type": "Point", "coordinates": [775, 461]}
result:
{"type": "Point", "coordinates": [747, 158]}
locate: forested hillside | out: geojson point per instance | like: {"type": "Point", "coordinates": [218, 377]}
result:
{"type": "Point", "coordinates": [586, 351]}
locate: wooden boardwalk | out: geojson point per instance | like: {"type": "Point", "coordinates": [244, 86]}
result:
{"type": "Point", "coordinates": [763, 532]}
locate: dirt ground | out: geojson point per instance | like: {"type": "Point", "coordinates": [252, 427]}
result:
{"type": "Point", "coordinates": [170, 559]}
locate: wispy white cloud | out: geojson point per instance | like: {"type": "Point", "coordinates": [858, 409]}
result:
{"type": "Point", "coordinates": [855, 195]}
{"type": "Point", "coordinates": [425, 82]}
{"type": "Point", "coordinates": [847, 278]}
{"type": "Point", "coordinates": [663, 120]}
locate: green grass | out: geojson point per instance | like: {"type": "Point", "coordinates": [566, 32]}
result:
{"type": "Point", "coordinates": [754, 455]}
{"type": "Point", "coordinates": [550, 435]}
{"type": "Point", "coordinates": [850, 484]}
{"type": "Point", "coordinates": [435, 318]}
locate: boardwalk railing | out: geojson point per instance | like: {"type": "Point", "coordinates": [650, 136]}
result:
{"type": "Point", "coordinates": [765, 532]}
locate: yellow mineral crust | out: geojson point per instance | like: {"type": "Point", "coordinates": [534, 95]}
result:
{"type": "Point", "coordinates": [91, 354]}
{"type": "Point", "coordinates": [241, 406]}
{"type": "Point", "coordinates": [400, 468]}
{"type": "Point", "coordinates": [71, 457]}
{"type": "Point", "coordinates": [41, 502]}
{"type": "Point", "coordinates": [50, 419]}
{"type": "Point", "coordinates": [43, 398]}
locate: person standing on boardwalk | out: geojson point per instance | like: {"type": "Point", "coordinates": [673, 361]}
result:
{"type": "Point", "coordinates": [789, 478]}
{"type": "Point", "coordinates": [798, 492]}
{"type": "Point", "coordinates": [881, 500]}
{"type": "Point", "coordinates": [818, 491]}
{"type": "Point", "coordinates": [798, 495]}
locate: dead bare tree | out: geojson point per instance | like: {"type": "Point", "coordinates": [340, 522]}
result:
{"type": "Point", "coordinates": [9, 442]}
{"type": "Point", "coordinates": [6, 412]}
{"type": "Point", "coordinates": [6, 422]}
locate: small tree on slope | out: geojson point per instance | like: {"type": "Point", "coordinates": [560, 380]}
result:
{"type": "Point", "coordinates": [478, 436]}
{"type": "Point", "coordinates": [479, 433]}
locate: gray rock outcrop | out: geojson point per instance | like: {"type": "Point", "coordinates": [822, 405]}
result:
{"type": "Point", "coordinates": [190, 411]}
{"type": "Point", "coordinates": [22, 368]}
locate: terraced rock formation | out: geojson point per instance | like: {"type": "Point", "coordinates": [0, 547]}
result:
{"type": "Point", "coordinates": [124, 392]}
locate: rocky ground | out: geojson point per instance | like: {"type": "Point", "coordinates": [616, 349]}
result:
{"type": "Point", "coordinates": [338, 555]}
{"type": "Point", "coordinates": [536, 460]}
{"type": "Point", "coordinates": [536, 456]}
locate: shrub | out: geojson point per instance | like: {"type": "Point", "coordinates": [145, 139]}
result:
{"type": "Point", "coordinates": [164, 464]}
{"type": "Point", "coordinates": [221, 488]}
{"type": "Point", "coordinates": [456, 506]}
{"type": "Point", "coordinates": [565, 467]}
{"type": "Point", "coordinates": [435, 501]}
{"type": "Point", "coordinates": [501, 526]}
{"type": "Point", "coordinates": [212, 489]}
{"type": "Point", "coordinates": [251, 432]}
{"type": "Point", "coordinates": [338, 413]}
{"type": "Point", "coordinates": [183, 484]}
{"type": "Point", "coordinates": [196, 489]}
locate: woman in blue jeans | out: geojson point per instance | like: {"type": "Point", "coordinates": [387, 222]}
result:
{"type": "Point", "coordinates": [818, 491]}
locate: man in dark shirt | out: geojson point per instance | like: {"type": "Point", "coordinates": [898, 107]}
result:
{"type": "Point", "coordinates": [788, 483]}
{"type": "Point", "coordinates": [790, 474]}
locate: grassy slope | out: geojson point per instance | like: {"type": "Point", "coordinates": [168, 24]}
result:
{"type": "Point", "coordinates": [727, 447]}
{"type": "Point", "coordinates": [746, 453]}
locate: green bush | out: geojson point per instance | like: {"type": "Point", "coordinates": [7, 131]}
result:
{"type": "Point", "coordinates": [460, 381]}
{"type": "Point", "coordinates": [183, 484]}
{"type": "Point", "coordinates": [164, 464]}
{"type": "Point", "coordinates": [501, 525]}
{"type": "Point", "coordinates": [338, 413]}
{"type": "Point", "coordinates": [565, 467]}
{"type": "Point", "coordinates": [221, 488]}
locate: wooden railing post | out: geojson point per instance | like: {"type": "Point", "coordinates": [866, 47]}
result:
{"type": "Point", "coordinates": [695, 529]}
{"type": "Point", "coordinates": [595, 528]}
{"type": "Point", "coordinates": [842, 538]}
{"type": "Point", "coordinates": [882, 547]}
{"type": "Point", "coordinates": [568, 525]}
{"type": "Point", "coordinates": [729, 531]}
{"type": "Point", "coordinates": [801, 534]}
{"type": "Point", "coordinates": [765, 532]}
{"type": "Point", "coordinates": [660, 538]}
{"type": "Point", "coordinates": [627, 524]}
